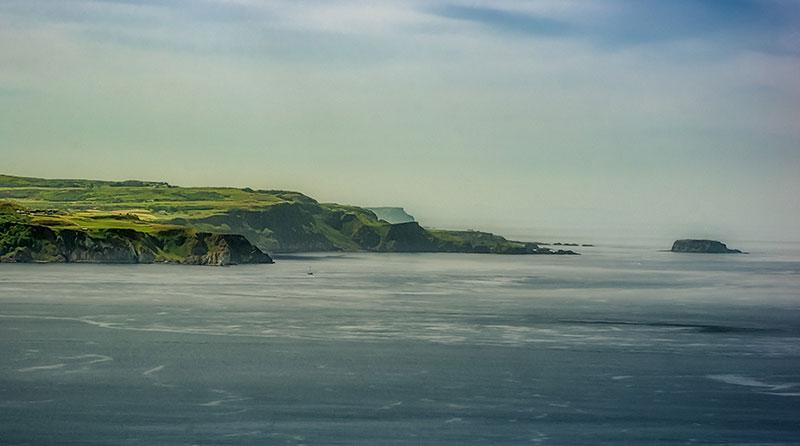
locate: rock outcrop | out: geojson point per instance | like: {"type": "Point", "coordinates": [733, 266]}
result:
{"type": "Point", "coordinates": [24, 243]}
{"type": "Point", "coordinates": [393, 215]}
{"type": "Point", "coordinates": [702, 246]}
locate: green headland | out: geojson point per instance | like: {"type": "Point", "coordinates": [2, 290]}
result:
{"type": "Point", "coordinates": [139, 222]}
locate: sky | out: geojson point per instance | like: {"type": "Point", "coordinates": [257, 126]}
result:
{"type": "Point", "coordinates": [591, 119]}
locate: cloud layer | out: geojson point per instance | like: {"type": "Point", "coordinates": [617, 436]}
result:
{"type": "Point", "coordinates": [671, 117]}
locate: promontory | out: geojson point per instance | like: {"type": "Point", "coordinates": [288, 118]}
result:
{"type": "Point", "coordinates": [66, 220]}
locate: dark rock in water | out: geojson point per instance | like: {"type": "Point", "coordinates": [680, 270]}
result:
{"type": "Point", "coordinates": [702, 246]}
{"type": "Point", "coordinates": [564, 252]}
{"type": "Point", "coordinates": [564, 244]}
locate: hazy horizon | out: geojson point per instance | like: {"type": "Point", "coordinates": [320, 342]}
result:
{"type": "Point", "coordinates": [602, 119]}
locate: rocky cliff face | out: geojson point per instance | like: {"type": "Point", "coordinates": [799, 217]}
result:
{"type": "Point", "coordinates": [33, 243]}
{"type": "Point", "coordinates": [223, 249]}
{"type": "Point", "coordinates": [702, 246]}
{"type": "Point", "coordinates": [392, 215]}
{"type": "Point", "coordinates": [303, 227]}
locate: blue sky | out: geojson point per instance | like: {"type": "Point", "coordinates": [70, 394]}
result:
{"type": "Point", "coordinates": [588, 118]}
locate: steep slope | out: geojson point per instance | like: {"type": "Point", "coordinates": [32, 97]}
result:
{"type": "Point", "coordinates": [23, 239]}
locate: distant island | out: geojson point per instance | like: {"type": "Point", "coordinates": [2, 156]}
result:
{"type": "Point", "coordinates": [702, 246]}
{"type": "Point", "coordinates": [74, 220]}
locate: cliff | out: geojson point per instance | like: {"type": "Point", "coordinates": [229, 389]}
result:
{"type": "Point", "coordinates": [23, 242]}
{"type": "Point", "coordinates": [702, 246]}
{"type": "Point", "coordinates": [305, 227]}
{"type": "Point", "coordinates": [393, 215]}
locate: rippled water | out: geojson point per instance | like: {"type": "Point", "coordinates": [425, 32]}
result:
{"type": "Point", "coordinates": [618, 346]}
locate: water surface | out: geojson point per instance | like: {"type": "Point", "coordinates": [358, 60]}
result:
{"type": "Point", "coordinates": [622, 345]}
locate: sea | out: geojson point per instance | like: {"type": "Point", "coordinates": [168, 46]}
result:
{"type": "Point", "coordinates": [622, 345]}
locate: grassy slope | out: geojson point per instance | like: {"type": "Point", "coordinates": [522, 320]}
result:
{"type": "Point", "coordinates": [277, 221]}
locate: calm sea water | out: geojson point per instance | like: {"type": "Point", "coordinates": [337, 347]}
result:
{"type": "Point", "coordinates": [622, 345]}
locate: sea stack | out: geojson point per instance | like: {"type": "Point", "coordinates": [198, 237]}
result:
{"type": "Point", "coordinates": [702, 246]}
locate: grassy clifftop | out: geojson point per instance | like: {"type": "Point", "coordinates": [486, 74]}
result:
{"type": "Point", "coordinates": [273, 220]}
{"type": "Point", "coordinates": [45, 236]}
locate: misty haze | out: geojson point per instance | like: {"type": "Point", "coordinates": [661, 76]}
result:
{"type": "Point", "coordinates": [453, 222]}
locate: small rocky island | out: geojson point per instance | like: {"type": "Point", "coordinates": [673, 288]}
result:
{"type": "Point", "coordinates": [702, 246]}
